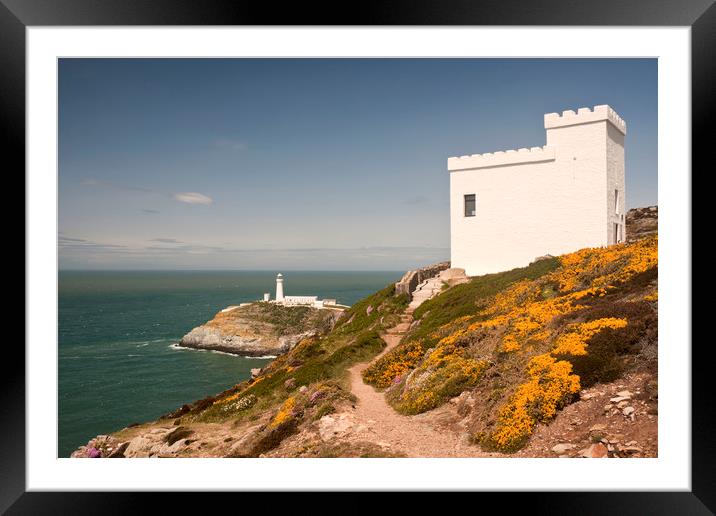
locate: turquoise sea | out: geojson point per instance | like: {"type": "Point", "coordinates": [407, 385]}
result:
{"type": "Point", "coordinates": [117, 365]}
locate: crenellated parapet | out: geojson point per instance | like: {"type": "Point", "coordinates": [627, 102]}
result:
{"type": "Point", "coordinates": [584, 115]}
{"type": "Point", "coordinates": [501, 158]}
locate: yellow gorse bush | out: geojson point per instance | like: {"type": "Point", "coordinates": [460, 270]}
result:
{"type": "Point", "coordinates": [401, 361]}
{"type": "Point", "coordinates": [434, 380]}
{"type": "Point", "coordinates": [599, 267]}
{"type": "Point", "coordinates": [284, 413]}
{"type": "Point", "coordinates": [575, 342]}
{"type": "Point", "coordinates": [524, 314]}
{"type": "Point", "coordinates": [551, 384]}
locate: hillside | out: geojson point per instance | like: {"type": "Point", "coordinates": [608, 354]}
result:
{"type": "Point", "coordinates": [555, 359]}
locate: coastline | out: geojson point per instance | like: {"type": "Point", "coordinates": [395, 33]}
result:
{"type": "Point", "coordinates": [178, 347]}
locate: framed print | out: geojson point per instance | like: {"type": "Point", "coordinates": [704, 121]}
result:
{"type": "Point", "coordinates": [427, 248]}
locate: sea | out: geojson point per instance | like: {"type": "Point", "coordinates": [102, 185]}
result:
{"type": "Point", "coordinates": [118, 362]}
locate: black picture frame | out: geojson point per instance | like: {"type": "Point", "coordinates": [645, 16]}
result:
{"type": "Point", "coordinates": [16, 15]}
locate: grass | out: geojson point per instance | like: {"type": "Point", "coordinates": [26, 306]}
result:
{"type": "Point", "coordinates": [464, 299]}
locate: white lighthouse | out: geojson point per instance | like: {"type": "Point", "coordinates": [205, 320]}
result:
{"type": "Point", "coordinates": [279, 287]}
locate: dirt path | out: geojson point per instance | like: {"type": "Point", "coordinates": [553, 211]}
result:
{"type": "Point", "coordinates": [415, 436]}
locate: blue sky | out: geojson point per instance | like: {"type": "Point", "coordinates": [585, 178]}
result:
{"type": "Point", "coordinates": [306, 163]}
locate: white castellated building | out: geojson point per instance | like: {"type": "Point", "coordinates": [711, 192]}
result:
{"type": "Point", "coordinates": [509, 207]}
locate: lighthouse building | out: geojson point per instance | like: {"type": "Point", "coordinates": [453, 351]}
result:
{"type": "Point", "coordinates": [284, 300]}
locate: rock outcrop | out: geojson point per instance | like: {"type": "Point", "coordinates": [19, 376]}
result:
{"type": "Point", "coordinates": [641, 222]}
{"type": "Point", "coordinates": [260, 329]}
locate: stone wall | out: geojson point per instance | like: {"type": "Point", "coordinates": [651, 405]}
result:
{"type": "Point", "coordinates": [412, 279]}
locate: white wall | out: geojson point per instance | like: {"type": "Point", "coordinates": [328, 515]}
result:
{"type": "Point", "coordinates": [299, 300]}
{"type": "Point", "coordinates": [616, 181]}
{"type": "Point", "coordinates": [548, 200]}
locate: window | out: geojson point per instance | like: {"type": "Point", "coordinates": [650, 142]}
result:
{"type": "Point", "coordinates": [470, 205]}
{"type": "Point", "coordinates": [616, 201]}
{"type": "Point", "coordinates": [617, 237]}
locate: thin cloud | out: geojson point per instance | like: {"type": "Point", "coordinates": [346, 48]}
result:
{"type": "Point", "coordinates": [64, 239]}
{"type": "Point", "coordinates": [66, 243]}
{"type": "Point", "coordinates": [185, 197]}
{"type": "Point", "coordinates": [193, 198]}
{"type": "Point", "coordinates": [167, 240]}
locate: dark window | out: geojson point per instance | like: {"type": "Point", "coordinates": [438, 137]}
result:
{"type": "Point", "coordinates": [470, 205]}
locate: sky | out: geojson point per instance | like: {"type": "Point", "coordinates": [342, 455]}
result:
{"type": "Point", "coordinates": [306, 164]}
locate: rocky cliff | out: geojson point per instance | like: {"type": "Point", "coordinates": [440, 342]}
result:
{"type": "Point", "coordinates": [260, 329]}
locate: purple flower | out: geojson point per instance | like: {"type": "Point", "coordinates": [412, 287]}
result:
{"type": "Point", "coordinates": [94, 453]}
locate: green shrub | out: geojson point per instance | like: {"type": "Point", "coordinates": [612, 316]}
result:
{"type": "Point", "coordinates": [323, 410]}
{"type": "Point", "coordinates": [270, 439]}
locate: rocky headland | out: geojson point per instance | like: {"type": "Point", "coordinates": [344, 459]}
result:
{"type": "Point", "coordinates": [260, 329]}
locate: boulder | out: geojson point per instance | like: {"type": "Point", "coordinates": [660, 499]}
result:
{"type": "Point", "coordinates": [118, 453]}
{"type": "Point", "coordinates": [561, 449]}
{"type": "Point", "coordinates": [335, 426]}
{"type": "Point", "coordinates": [171, 450]}
{"type": "Point", "coordinates": [595, 451]}
{"type": "Point", "coordinates": [140, 446]}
